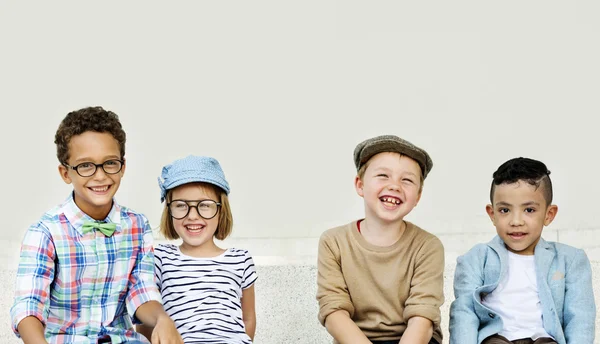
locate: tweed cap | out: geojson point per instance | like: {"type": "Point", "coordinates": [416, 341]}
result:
{"type": "Point", "coordinates": [189, 170]}
{"type": "Point", "coordinates": [391, 143]}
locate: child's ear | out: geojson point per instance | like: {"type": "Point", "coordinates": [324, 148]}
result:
{"type": "Point", "coordinates": [358, 185]}
{"type": "Point", "coordinates": [489, 209]}
{"type": "Point", "coordinates": [550, 214]}
{"type": "Point", "coordinates": [64, 174]}
{"type": "Point", "coordinates": [122, 172]}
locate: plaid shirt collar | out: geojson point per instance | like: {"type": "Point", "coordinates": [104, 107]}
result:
{"type": "Point", "coordinates": [77, 217]}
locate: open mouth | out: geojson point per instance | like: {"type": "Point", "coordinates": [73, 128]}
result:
{"type": "Point", "coordinates": [390, 201]}
{"type": "Point", "coordinates": [100, 189]}
{"type": "Point", "coordinates": [517, 235]}
{"type": "Point", "coordinates": [194, 229]}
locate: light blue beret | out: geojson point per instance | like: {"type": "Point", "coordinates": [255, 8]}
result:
{"type": "Point", "coordinates": [189, 170]}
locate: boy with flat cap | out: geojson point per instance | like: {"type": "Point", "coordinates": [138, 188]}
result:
{"type": "Point", "coordinates": [380, 279]}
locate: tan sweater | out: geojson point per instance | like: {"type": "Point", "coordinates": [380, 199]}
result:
{"type": "Point", "coordinates": [381, 287]}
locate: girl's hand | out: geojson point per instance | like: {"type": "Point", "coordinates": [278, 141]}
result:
{"type": "Point", "coordinates": [165, 332]}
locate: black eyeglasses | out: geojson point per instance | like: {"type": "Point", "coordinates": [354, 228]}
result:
{"type": "Point", "coordinates": [87, 169]}
{"type": "Point", "coordinates": [207, 209]}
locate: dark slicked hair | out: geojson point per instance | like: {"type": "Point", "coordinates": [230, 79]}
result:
{"type": "Point", "coordinates": [87, 119]}
{"type": "Point", "coordinates": [526, 170]}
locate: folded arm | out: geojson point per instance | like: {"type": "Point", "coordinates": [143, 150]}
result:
{"type": "Point", "coordinates": [464, 323]}
{"type": "Point", "coordinates": [579, 308]}
{"type": "Point", "coordinates": [34, 277]}
{"type": "Point", "coordinates": [426, 295]}
{"type": "Point", "coordinates": [143, 297]}
{"type": "Point", "coordinates": [335, 307]}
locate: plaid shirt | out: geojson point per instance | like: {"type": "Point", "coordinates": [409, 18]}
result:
{"type": "Point", "coordinates": [85, 286]}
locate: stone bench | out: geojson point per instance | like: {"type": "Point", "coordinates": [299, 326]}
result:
{"type": "Point", "coordinates": [285, 303]}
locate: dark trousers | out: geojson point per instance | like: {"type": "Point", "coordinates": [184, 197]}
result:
{"type": "Point", "coordinates": [432, 341]}
{"type": "Point", "coordinates": [497, 339]}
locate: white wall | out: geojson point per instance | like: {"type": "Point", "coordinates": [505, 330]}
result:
{"type": "Point", "coordinates": [281, 92]}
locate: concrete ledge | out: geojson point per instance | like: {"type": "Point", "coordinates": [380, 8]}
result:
{"type": "Point", "coordinates": [285, 301]}
{"type": "Point", "coordinates": [287, 308]}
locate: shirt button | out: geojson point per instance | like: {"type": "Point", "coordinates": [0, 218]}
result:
{"type": "Point", "coordinates": [492, 315]}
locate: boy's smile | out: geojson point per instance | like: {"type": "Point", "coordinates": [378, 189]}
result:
{"type": "Point", "coordinates": [93, 194]}
{"type": "Point", "coordinates": [519, 214]}
{"type": "Point", "coordinates": [390, 201]}
{"type": "Point", "coordinates": [390, 186]}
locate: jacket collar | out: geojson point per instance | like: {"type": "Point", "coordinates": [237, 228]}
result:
{"type": "Point", "coordinates": [543, 254]}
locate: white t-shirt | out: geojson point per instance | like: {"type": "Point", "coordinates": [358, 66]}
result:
{"type": "Point", "coordinates": [203, 295]}
{"type": "Point", "coordinates": [516, 300]}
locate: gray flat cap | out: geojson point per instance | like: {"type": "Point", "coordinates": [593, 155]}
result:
{"type": "Point", "coordinates": [391, 143]}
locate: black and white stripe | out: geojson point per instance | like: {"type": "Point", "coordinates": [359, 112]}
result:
{"type": "Point", "coordinates": [203, 295]}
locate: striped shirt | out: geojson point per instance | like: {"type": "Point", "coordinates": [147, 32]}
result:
{"type": "Point", "coordinates": [203, 295]}
{"type": "Point", "coordinates": [85, 286]}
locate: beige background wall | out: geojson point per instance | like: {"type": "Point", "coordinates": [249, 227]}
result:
{"type": "Point", "coordinates": [281, 92]}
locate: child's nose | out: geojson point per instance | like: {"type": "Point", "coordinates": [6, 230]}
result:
{"type": "Point", "coordinates": [395, 187]}
{"type": "Point", "coordinates": [516, 219]}
{"type": "Point", "coordinates": [99, 174]}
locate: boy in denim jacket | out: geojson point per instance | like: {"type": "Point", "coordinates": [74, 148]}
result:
{"type": "Point", "coordinates": [519, 288]}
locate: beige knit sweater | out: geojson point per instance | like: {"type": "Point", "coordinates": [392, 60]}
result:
{"type": "Point", "coordinates": [381, 287]}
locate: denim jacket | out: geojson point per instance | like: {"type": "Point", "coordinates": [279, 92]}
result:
{"type": "Point", "coordinates": [564, 279]}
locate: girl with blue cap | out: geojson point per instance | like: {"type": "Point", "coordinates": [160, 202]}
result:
{"type": "Point", "coordinates": [208, 291]}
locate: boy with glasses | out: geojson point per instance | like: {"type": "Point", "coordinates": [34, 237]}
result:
{"type": "Point", "coordinates": [86, 267]}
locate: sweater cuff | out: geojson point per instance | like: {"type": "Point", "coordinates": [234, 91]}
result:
{"type": "Point", "coordinates": [430, 312]}
{"type": "Point", "coordinates": [332, 307]}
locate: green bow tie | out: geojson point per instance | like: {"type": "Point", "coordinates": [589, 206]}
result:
{"type": "Point", "coordinates": [105, 228]}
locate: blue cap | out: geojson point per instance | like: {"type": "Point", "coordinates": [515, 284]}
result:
{"type": "Point", "coordinates": [189, 170]}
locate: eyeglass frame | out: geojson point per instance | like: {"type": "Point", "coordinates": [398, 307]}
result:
{"type": "Point", "coordinates": [76, 167]}
{"type": "Point", "coordinates": [193, 206]}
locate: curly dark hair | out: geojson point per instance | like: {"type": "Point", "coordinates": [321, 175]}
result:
{"type": "Point", "coordinates": [531, 171]}
{"type": "Point", "coordinates": [87, 119]}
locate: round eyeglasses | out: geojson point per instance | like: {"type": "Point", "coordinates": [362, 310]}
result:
{"type": "Point", "coordinates": [87, 169]}
{"type": "Point", "coordinates": [207, 209]}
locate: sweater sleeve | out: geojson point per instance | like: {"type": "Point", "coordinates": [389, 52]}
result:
{"type": "Point", "coordinates": [332, 291]}
{"type": "Point", "coordinates": [427, 284]}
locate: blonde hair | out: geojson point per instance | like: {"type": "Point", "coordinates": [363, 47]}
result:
{"type": "Point", "coordinates": [225, 217]}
